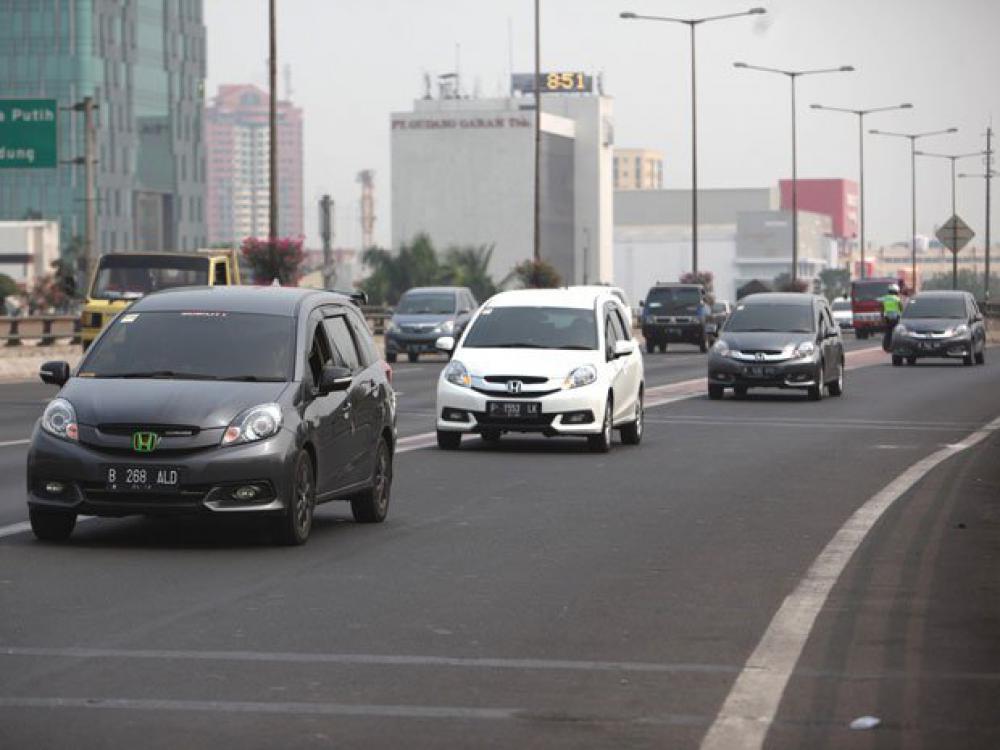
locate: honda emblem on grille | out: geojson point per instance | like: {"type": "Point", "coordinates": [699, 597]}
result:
{"type": "Point", "coordinates": [514, 386]}
{"type": "Point", "coordinates": [760, 356]}
{"type": "Point", "coordinates": [145, 442]}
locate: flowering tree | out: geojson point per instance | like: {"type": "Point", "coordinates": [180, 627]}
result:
{"type": "Point", "coordinates": [268, 261]}
{"type": "Point", "coordinates": [705, 278]}
{"type": "Point", "coordinates": [537, 274]}
{"type": "Point", "coordinates": [47, 295]}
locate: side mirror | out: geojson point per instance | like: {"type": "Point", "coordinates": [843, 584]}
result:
{"type": "Point", "coordinates": [445, 344]}
{"type": "Point", "coordinates": [624, 348]}
{"type": "Point", "coordinates": [334, 379]}
{"type": "Point", "coordinates": [54, 373]}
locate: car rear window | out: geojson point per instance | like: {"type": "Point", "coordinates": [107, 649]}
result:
{"type": "Point", "coordinates": [195, 344]}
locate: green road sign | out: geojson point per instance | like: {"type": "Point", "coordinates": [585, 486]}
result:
{"type": "Point", "coordinates": [28, 133]}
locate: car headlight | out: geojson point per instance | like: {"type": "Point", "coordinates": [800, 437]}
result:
{"type": "Point", "coordinates": [456, 374]}
{"type": "Point", "coordinates": [959, 330]}
{"type": "Point", "coordinates": [901, 329]}
{"type": "Point", "coordinates": [257, 423]}
{"type": "Point", "coordinates": [581, 376]}
{"type": "Point", "coordinates": [805, 349]}
{"type": "Point", "coordinates": [447, 328]}
{"type": "Point", "coordinates": [59, 420]}
{"type": "Point", "coordinates": [721, 348]}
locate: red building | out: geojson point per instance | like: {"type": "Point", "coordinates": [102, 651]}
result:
{"type": "Point", "coordinates": [237, 153]}
{"type": "Point", "coordinates": [838, 199]}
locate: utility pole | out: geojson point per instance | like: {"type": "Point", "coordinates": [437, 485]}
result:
{"type": "Point", "coordinates": [272, 66]}
{"type": "Point", "coordinates": [326, 233]}
{"type": "Point", "coordinates": [88, 261]}
{"type": "Point", "coordinates": [989, 178]}
{"type": "Point", "coordinates": [537, 241]}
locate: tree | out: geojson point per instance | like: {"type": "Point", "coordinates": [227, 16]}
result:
{"type": "Point", "coordinates": [280, 260]}
{"type": "Point", "coordinates": [968, 280]}
{"type": "Point", "coordinates": [836, 282]}
{"type": "Point", "coordinates": [783, 283]}
{"type": "Point", "coordinates": [705, 278]}
{"type": "Point", "coordinates": [537, 274]}
{"type": "Point", "coordinates": [392, 274]}
{"type": "Point", "coordinates": [47, 294]}
{"type": "Point", "coordinates": [469, 266]}
{"type": "Point", "coordinates": [8, 287]}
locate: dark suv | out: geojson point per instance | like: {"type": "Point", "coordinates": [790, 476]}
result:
{"type": "Point", "coordinates": [227, 401]}
{"type": "Point", "coordinates": [675, 313]}
{"type": "Point", "coordinates": [423, 315]}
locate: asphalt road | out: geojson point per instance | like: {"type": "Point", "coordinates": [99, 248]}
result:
{"type": "Point", "coordinates": [536, 595]}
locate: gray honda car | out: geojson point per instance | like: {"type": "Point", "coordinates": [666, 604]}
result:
{"type": "Point", "coordinates": [231, 401]}
{"type": "Point", "coordinates": [778, 340]}
{"type": "Point", "coordinates": [425, 314]}
{"type": "Point", "coordinates": [944, 324]}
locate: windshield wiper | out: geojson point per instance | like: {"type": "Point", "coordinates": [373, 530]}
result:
{"type": "Point", "coordinates": [576, 347]}
{"type": "Point", "coordinates": [517, 345]}
{"type": "Point", "coordinates": [158, 374]}
{"type": "Point", "coordinates": [251, 379]}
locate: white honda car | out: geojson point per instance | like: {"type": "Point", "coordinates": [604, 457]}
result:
{"type": "Point", "coordinates": [547, 361]}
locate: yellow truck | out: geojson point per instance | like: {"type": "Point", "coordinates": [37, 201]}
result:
{"type": "Point", "coordinates": [122, 278]}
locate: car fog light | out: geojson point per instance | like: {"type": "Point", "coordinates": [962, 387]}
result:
{"type": "Point", "coordinates": [578, 417]}
{"type": "Point", "coordinates": [54, 488]}
{"type": "Point", "coordinates": [245, 493]}
{"type": "Point", "coordinates": [454, 415]}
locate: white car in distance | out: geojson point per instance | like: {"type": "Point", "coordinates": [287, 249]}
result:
{"type": "Point", "coordinates": [547, 361]}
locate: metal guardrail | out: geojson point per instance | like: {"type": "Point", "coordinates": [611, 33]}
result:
{"type": "Point", "coordinates": [990, 309]}
{"type": "Point", "coordinates": [376, 318]}
{"type": "Point", "coordinates": [43, 328]}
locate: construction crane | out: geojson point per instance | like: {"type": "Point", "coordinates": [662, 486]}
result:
{"type": "Point", "coordinates": [367, 179]}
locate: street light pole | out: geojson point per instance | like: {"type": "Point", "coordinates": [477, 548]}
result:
{"type": "Point", "coordinates": [954, 211]}
{"type": "Point", "coordinates": [537, 239]}
{"type": "Point", "coordinates": [913, 138]}
{"type": "Point", "coordinates": [273, 129]}
{"type": "Point", "coordinates": [988, 175]}
{"type": "Point", "coordinates": [692, 24]}
{"type": "Point", "coordinates": [861, 113]}
{"type": "Point", "coordinates": [793, 75]}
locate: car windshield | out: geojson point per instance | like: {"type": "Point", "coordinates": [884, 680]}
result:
{"type": "Point", "coordinates": [194, 345]}
{"type": "Point", "coordinates": [427, 304]}
{"type": "Point", "coordinates": [533, 328]}
{"type": "Point", "coordinates": [133, 276]}
{"type": "Point", "coordinates": [771, 317]}
{"type": "Point", "coordinates": [674, 299]}
{"type": "Point", "coordinates": [840, 305]}
{"type": "Point", "coordinates": [870, 290]}
{"type": "Point", "coordinates": [935, 307]}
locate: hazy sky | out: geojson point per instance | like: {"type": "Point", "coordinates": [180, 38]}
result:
{"type": "Point", "coordinates": [355, 61]}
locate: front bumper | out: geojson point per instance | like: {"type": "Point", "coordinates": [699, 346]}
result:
{"type": "Point", "coordinates": [907, 346]}
{"type": "Point", "coordinates": [402, 343]}
{"type": "Point", "coordinates": [692, 333]}
{"type": "Point", "coordinates": [207, 477]}
{"type": "Point", "coordinates": [793, 373]}
{"type": "Point", "coordinates": [464, 410]}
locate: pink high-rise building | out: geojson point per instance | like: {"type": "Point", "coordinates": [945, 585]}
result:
{"type": "Point", "coordinates": [237, 158]}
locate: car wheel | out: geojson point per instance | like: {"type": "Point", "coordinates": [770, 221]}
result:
{"type": "Point", "coordinates": [601, 443]}
{"type": "Point", "coordinates": [836, 387]}
{"type": "Point", "coordinates": [740, 391]}
{"type": "Point", "coordinates": [650, 347]}
{"type": "Point", "coordinates": [292, 527]}
{"type": "Point", "coordinates": [816, 391]}
{"type": "Point", "coordinates": [981, 356]}
{"type": "Point", "coordinates": [896, 360]}
{"type": "Point", "coordinates": [911, 361]}
{"type": "Point", "coordinates": [490, 436]}
{"type": "Point", "coordinates": [412, 356]}
{"type": "Point", "coordinates": [390, 357]}
{"type": "Point", "coordinates": [449, 441]}
{"type": "Point", "coordinates": [51, 526]}
{"type": "Point", "coordinates": [715, 392]}
{"type": "Point", "coordinates": [632, 432]}
{"type": "Point", "coordinates": [372, 505]}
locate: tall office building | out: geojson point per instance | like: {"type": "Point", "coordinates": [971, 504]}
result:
{"type": "Point", "coordinates": [638, 169]}
{"type": "Point", "coordinates": [143, 62]}
{"type": "Point", "coordinates": [237, 141]}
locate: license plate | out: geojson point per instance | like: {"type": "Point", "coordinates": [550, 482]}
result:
{"type": "Point", "coordinates": [513, 409]}
{"type": "Point", "coordinates": [759, 372]}
{"type": "Point", "coordinates": [142, 478]}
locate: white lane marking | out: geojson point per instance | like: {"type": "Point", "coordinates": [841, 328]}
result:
{"type": "Point", "coordinates": [257, 707]}
{"type": "Point", "coordinates": [9, 443]}
{"type": "Point", "coordinates": [395, 660]}
{"type": "Point", "coordinates": [14, 528]}
{"type": "Point", "coordinates": [723, 422]}
{"type": "Point", "coordinates": [750, 708]}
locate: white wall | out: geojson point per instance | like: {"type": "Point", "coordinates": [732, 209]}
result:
{"type": "Point", "coordinates": [37, 239]}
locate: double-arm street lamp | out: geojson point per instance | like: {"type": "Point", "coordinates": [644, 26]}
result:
{"type": "Point", "coordinates": [793, 76]}
{"type": "Point", "coordinates": [913, 138]}
{"type": "Point", "coordinates": [952, 158]}
{"type": "Point", "coordinates": [693, 24]}
{"type": "Point", "coordinates": [860, 113]}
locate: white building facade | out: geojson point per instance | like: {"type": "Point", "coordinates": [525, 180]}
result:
{"type": "Point", "coordinates": [28, 249]}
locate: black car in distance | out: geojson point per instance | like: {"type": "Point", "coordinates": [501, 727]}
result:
{"type": "Point", "coordinates": [224, 400]}
{"type": "Point", "coordinates": [778, 340]}
{"type": "Point", "coordinates": [944, 324]}
{"type": "Point", "coordinates": [675, 313]}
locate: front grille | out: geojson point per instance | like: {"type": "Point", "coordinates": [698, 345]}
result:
{"type": "Point", "coordinates": [189, 496]}
{"type": "Point", "coordinates": [522, 395]}
{"type": "Point", "coordinates": [769, 352]}
{"type": "Point", "coordinates": [163, 430]}
{"type": "Point", "coordinates": [526, 379]}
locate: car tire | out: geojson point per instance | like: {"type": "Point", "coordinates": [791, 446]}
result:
{"type": "Point", "coordinates": [715, 392]}
{"type": "Point", "coordinates": [896, 360]}
{"type": "Point", "coordinates": [861, 334]}
{"type": "Point", "coordinates": [449, 441]}
{"type": "Point", "coordinates": [911, 361]}
{"type": "Point", "coordinates": [51, 526]}
{"type": "Point", "coordinates": [412, 356]}
{"type": "Point", "coordinates": [816, 391]}
{"type": "Point", "coordinates": [632, 432]}
{"type": "Point", "coordinates": [601, 443]}
{"type": "Point", "coordinates": [981, 356]}
{"type": "Point", "coordinates": [836, 387]}
{"type": "Point", "coordinates": [740, 391]}
{"type": "Point", "coordinates": [390, 358]}
{"type": "Point", "coordinates": [372, 505]}
{"type": "Point", "coordinates": [650, 347]}
{"type": "Point", "coordinates": [292, 527]}
{"type": "Point", "coordinates": [490, 436]}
